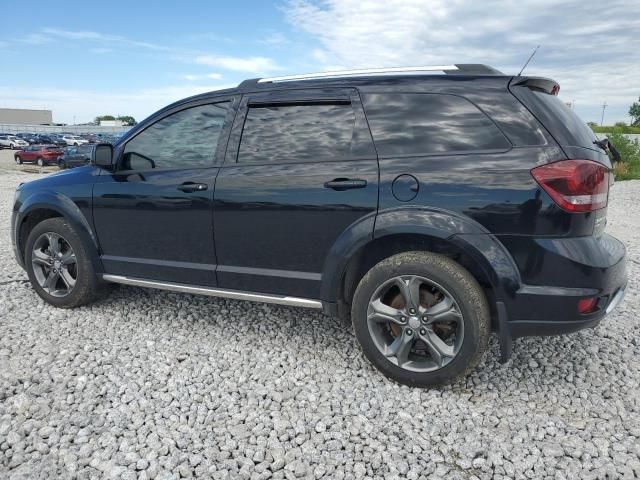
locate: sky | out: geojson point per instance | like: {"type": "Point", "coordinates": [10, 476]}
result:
{"type": "Point", "coordinates": [82, 59]}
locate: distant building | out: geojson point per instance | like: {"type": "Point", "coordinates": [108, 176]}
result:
{"type": "Point", "coordinates": [111, 123]}
{"type": "Point", "coordinates": [23, 116]}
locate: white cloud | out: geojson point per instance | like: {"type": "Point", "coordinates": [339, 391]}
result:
{"type": "Point", "coordinates": [103, 43]}
{"type": "Point", "coordinates": [211, 76]}
{"type": "Point", "coordinates": [590, 49]}
{"type": "Point", "coordinates": [115, 40]}
{"type": "Point", "coordinates": [85, 105]}
{"type": "Point", "coordinates": [36, 39]}
{"type": "Point", "coordinates": [254, 65]}
{"type": "Point", "coordinates": [274, 39]}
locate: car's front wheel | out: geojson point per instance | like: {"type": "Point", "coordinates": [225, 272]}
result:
{"type": "Point", "coordinates": [421, 318]}
{"type": "Point", "coordinates": [40, 162]}
{"type": "Point", "coordinates": [18, 159]}
{"type": "Point", "coordinates": [62, 165]}
{"type": "Point", "coordinates": [59, 265]}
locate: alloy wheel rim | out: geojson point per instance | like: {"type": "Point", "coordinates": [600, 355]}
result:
{"type": "Point", "coordinates": [54, 264]}
{"type": "Point", "coordinates": [415, 323]}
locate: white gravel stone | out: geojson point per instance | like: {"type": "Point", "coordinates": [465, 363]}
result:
{"type": "Point", "coordinates": [157, 385]}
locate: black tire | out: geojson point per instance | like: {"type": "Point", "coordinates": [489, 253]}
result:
{"type": "Point", "coordinates": [62, 165]}
{"type": "Point", "coordinates": [459, 284]}
{"type": "Point", "coordinates": [18, 159]}
{"type": "Point", "coordinates": [11, 145]}
{"type": "Point", "coordinates": [40, 162]}
{"type": "Point", "coordinates": [87, 287]}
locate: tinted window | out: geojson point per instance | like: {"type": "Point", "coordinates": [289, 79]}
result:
{"type": "Point", "coordinates": [297, 132]}
{"type": "Point", "coordinates": [562, 121]}
{"type": "Point", "coordinates": [185, 139]}
{"type": "Point", "coordinates": [405, 124]}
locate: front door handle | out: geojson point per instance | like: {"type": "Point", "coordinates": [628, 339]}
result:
{"type": "Point", "coordinates": [189, 187]}
{"type": "Point", "coordinates": [341, 184]}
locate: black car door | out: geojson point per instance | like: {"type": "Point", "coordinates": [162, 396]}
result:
{"type": "Point", "coordinates": [153, 214]}
{"type": "Point", "coordinates": [299, 169]}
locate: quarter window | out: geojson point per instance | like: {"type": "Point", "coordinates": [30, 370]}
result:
{"type": "Point", "coordinates": [429, 124]}
{"type": "Point", "coordinates": [185, 139]}
{"type": "Point", "coordinates": [305, 132]}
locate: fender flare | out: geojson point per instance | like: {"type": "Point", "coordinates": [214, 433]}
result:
{"type": "Point", "coordinates": [66, 208]}
{"type": "Point", "coordinates": [465, 234]}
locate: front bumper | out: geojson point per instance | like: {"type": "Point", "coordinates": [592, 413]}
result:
{"type": "Point", "coordinates": [556, 274]}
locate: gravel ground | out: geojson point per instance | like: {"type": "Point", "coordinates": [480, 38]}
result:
{"type": "Point", "coordinates": [148, 384]}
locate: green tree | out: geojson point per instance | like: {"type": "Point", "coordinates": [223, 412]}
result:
{"type": "Point", "coordinates": [97, 120]}
{"type": "Point", "coordinates": [634, 113]}
{"type": "Point", "coordinates": [127, 119]}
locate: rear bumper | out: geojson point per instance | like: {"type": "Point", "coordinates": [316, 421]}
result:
{"type": "Point", "coordinates": [556, 274]}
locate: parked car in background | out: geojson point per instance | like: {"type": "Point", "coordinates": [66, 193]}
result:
{"type": "Point", "coordinates": [30, 138]}
{"type": "Point", "coordinates": [74, 140]}
{"type": "Point", "coordinates": [75, 156]}
{"type": "Point", "coordinates": [50, 139]}
{"type": "Point", "coordinates": [89, 137]}
{"type": "Point", "coordinates": [39, 154]}
{"type": "Point", "coordinates": [59, 140]}
{"type": "Point", "coordinates": [11, 141]}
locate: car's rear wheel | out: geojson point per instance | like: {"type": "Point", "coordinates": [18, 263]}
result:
{"type": "Point", "coordinates": [18, 159]}
{"type": "Point", "coordinates": [40, 162]}
{"type": "Point", "coordinates": [62, 165]}
{"type": "Point", "coordinates": [421, 318]}
{"type": "Point", "coordinates": [59, 265]}
{"type": "Point", "coordinates": [11, 146]}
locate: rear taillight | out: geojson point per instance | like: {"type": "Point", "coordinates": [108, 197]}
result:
{"type": "Point", "coordinates": [575, 185]}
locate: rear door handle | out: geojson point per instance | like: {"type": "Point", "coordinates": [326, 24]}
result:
{"type": "Point", "coordinates": [340, 184]}
{"type": "Point", "coordinates": [189, 187]}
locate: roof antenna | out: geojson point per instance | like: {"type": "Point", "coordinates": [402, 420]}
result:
{"type": "Point", "coordinates": [525, 65]}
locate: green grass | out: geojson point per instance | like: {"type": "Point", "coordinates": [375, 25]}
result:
{"type": "Point", "coordinates": [615, 128]}
{"type": "Point", "coordinates": [629, 167]}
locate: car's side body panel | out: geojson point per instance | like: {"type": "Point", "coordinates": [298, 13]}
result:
{"type": "Point", "coordinates": [275, 222]}
{"type": "Point", "coordinates": [150, 223]}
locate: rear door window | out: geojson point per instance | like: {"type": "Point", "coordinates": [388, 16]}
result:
{"type": "Point", "coordinates": [429, 124]}
{"type": "Point", "coordinates": [297, 132]}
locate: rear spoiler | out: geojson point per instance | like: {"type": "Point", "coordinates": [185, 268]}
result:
{"type": "Point", "coordinates": [539, 84]}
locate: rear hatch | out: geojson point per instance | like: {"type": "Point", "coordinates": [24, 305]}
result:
{"type": "Point", "coordinates": [573, 135]}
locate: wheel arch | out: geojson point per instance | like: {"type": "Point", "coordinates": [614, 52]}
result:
{"type": "Point", "coordinates": [44, 205]}
{"type": "Point", "coordinates": [406, 229]}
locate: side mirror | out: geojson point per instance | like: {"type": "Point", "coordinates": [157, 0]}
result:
{"type": "Point", "coordinates": [103, 155]}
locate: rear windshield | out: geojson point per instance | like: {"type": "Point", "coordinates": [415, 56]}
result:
{"type": "Point", "coordinates": [52, 149]}
{"type": "Point", "coordinates": [561, 121]}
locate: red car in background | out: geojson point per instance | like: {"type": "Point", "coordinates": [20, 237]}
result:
{"type": "Point", "coordinates": [39, 154]}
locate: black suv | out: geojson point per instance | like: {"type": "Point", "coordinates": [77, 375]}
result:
{"type": "Point", "coordinates": [428, 210]}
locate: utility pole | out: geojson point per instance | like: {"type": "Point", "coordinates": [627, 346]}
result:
{"type": "Point", "coordinates": [604, 105]}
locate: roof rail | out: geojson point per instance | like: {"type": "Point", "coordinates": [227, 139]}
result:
{"type": "Point", "coordinates": [465, 69]}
